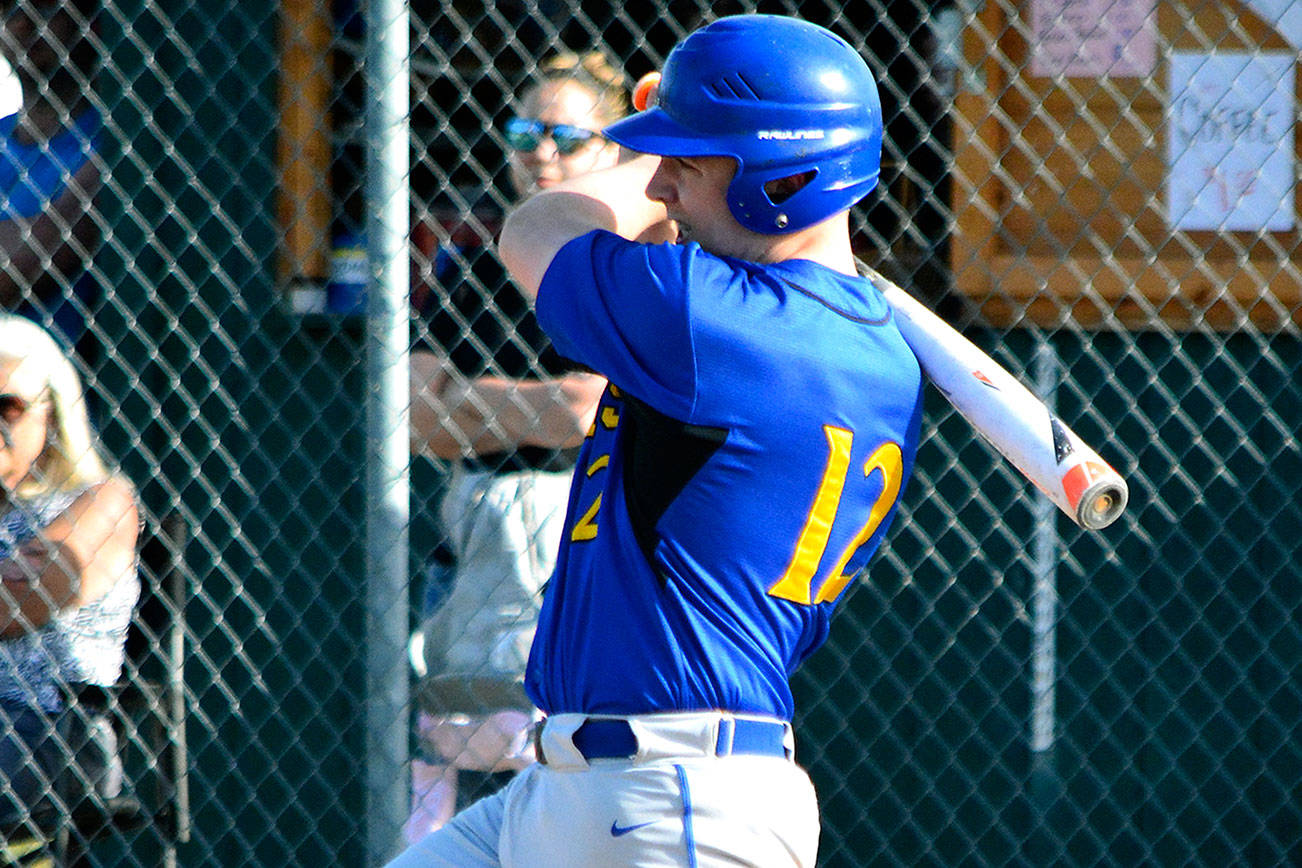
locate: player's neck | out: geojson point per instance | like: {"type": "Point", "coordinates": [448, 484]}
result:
{"type": "Point", "coordinates": [827, 243]}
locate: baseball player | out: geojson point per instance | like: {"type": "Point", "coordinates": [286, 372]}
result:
{"type": "Point", "coordinates": [761, 418]}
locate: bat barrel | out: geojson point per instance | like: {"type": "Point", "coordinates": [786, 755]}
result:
{"type": "Point", "coordinates": [1019, 425]}
{"type": "Point", "coordinates": [1102, 503]}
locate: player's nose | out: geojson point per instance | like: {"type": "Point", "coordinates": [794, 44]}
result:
{"type": "Point", "coordinates": [660, 188]}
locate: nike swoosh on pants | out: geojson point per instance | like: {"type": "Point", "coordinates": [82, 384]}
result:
{"type": "Point", "coordinates": [617, 830]}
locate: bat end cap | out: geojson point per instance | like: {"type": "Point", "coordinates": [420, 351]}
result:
{"type": "Point", "coordinates": [1102, 504]}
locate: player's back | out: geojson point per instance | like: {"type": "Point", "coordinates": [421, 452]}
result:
{"type": "Point", "coordinates": [821, 401]}
{"type": "Point", "coordinates": [760, 427]}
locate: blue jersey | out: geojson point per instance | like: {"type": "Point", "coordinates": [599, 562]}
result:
{"type": "Point", "coordinates": [744, 464]}
{"type": "Point", "coordinates": [32, 177]}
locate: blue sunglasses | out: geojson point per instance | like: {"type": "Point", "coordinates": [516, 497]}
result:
{"type": "Point", "coordinates": [526, 134]}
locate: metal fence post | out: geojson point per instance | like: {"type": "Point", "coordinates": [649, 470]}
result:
{"type": "Point", "coordinates": [387, 481]}
{"type": "Point", "coordinates": [1046, 547]}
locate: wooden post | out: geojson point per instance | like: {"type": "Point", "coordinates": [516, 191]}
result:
{"type": "Point", "coordinates": [303, 152]}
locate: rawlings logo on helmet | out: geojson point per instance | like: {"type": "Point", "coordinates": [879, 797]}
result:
{"type": "Point", "coordinates": [789, 135]}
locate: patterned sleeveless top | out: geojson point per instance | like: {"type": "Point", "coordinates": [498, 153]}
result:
{"type": "Point", "coordinates": [83, 645]}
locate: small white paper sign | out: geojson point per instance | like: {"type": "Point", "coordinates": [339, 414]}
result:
{"type": "Point", "coordinates": [1093, 38]}
{"type": "Point", "coordinates": [1230, 142]}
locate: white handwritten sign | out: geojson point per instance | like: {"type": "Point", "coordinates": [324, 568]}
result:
{"type": "Point", "coordinates": [1092, 38]}
{"type": "Point", "coordinates": [1229, 142]}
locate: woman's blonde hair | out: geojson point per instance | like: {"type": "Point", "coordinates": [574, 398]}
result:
{"type": "Point", "coordinates": [594, 71]}
{"type": "Point", "coordinates": [72, 459]}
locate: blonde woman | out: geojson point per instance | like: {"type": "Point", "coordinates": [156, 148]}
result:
{"type": "Point", "coordinates": [492, 397]}
{"type": "Point", "coordinates": [68, 530]}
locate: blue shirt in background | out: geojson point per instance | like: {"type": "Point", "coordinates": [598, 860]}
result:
{"type": "Point", "coordinates": [32, 176]}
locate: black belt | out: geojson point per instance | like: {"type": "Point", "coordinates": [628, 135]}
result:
{"type": "Point", "coordinates": [602, 738]}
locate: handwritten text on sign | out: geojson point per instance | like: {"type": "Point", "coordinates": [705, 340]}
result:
{"type": "Point", "coordinates": [1230, 142]}
{"type": "Point", "coordinates": [1092, 38]}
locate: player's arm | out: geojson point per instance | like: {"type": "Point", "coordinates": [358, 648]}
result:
{"type": "Point", "coordinates": [613, 199]}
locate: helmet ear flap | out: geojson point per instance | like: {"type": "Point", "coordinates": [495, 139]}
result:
{"type": "Point", "coordinates": [792, 201]}
{"type": "Point", "coordinates": [757, 203]}
{"type": "Point", "coordinates": [780, 190]}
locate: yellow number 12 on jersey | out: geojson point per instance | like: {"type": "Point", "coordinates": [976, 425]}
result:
{"type": "Point", "coordinates": [797, 581]}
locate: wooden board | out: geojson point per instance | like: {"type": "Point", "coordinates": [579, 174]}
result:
{"type": "Point", "coordinates": [1059, 191]}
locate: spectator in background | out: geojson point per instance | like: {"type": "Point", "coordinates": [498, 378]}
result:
{"type": "Point", "coordinates": [68, 530]}
{"type": "Point", "coordinates": [492, 397]}
{"type": "Point", "coordinates": [48, 168]}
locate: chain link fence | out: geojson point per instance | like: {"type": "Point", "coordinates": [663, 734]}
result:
{"type": "Point", "coordinates": [1081, 187]}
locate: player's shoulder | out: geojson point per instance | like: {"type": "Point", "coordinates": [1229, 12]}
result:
{"type": "Point", "coordinates": [854, 298]}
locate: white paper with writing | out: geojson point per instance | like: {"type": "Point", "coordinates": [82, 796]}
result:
{"type": "Point", "coordinates": [1229, 141]}
{"type": "Point", "coordinates": [1093, 38]}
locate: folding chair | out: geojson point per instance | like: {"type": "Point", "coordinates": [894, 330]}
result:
{"type": "Point", "coordinates": [148, 710]}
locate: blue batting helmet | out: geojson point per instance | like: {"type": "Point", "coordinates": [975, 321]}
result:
{"type": "Point", "coordinates": [782, 97]}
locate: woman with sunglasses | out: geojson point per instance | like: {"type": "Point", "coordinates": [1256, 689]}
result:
{"type": "Point", "coordinates": [557, 133]}
{"type": "Point", "coordinates": [491, 397]}
{"type": "Point", "coordinates": [68, 529]}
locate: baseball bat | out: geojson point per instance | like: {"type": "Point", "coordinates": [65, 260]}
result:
{"type": "Point", "coordinates": [1014, 421]}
